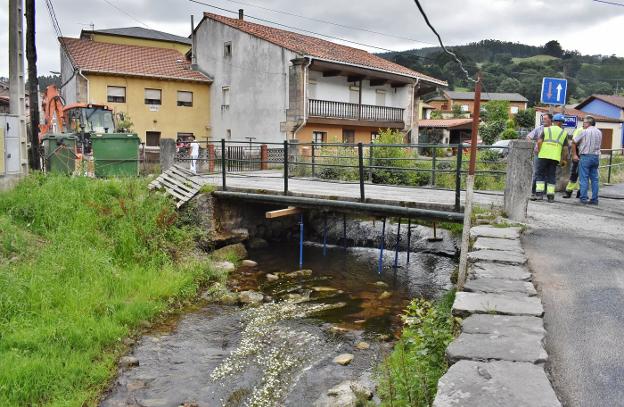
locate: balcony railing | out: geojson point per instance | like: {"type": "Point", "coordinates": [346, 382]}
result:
{"type": "Point", "coordinates": [354, 111]}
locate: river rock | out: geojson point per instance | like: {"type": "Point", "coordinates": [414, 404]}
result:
{"type": "Point", "coordinates": [257, 243]}
{"type": "Point", "coordinates": [128, 361]}
{"type": "Point", "coordinates": [129, 341]}
{"type": "Point", "coordinates": [385, 295]}
{"type": "Point", "coordinates": [249, 263]}
{"type": "Point", "coordinates": [225, 266]}
{"type": "Point", "coordinates": [381, 284]}
{"type": "Point", "coordinates": [238, 250]}
{"type": "Point", "coordinates": [272, 277]}
{"type": "Point", "coordinates": [362, 345]}
{"type": "Point", "coordinates": [228, 298]}
{"type": "Point", "coordinates": [250, 297]}
{"type": "Point", "coordinates": [135, 385]}
{"type": "Point", "coordinates": [343, 359]}
{"type": "Point", "coordinates": [299, 273]}
{"type": "Point", "coordinates": [324, 289]}
{"type": "Point", "coordinates": [480, 384]}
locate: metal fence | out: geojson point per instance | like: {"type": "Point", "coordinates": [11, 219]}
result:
{"type": "Point", "coordinates": [613, 161]}
{"type": "Point", "coordinates": [440, 166]}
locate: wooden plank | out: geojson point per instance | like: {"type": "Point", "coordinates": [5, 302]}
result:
{"type": "Point", "coordinates": [185, 177]}
{"type": "Point", "coordinates": [167, 184]}
{"type": "Point", "coordinates": [183, 182]}
{"type": "Point", "coordinates": [174, 194]}
{"type": "Point", "coordinates": [291, 210]}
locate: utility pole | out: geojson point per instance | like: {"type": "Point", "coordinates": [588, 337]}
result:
{"type": "Point", "coordinates": [463, 257]}
{"type": "Point", "coordinates": [33, 83]}
{"type": "Point", "coordinates": [17, 98]}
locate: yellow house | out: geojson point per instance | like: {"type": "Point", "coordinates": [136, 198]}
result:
{"type": "Point", "coordinates": [148, 82]}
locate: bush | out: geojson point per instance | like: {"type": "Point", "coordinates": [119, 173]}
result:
{"type": "Point", "coordinates": [400, 165]}
{"type": "Point", "coordinates": [409, 376]}
{"type": "Point", "coordinates": [509, 134]}
{"type": "Point", "coordinates": [496, 110]}
{"type": "Point", "coordinates": [491, 131]}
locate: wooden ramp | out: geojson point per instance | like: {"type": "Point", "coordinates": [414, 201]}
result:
{"type": "Point", "coordinates": [178, 183]}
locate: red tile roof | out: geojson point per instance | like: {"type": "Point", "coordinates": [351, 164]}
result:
{"type": "Point", "coordinates": [580, 114]}
{"type": "Point", "coordinates": [131, 60]}
{"type": "Point", "coordinates": [444, 123]}
{"type": "Point", "coordinates": [320, 49]}
{"type": "Point", "coordinates": [611, 99]}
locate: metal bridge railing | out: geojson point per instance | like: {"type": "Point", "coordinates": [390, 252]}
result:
{"type": "Point", "coordinates": [614, 159]}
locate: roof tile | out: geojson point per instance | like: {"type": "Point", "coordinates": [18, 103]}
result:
{"type": "Point", "coordinates": [131, 60]}
{"type": "Point", "coordinates": [444, 123]}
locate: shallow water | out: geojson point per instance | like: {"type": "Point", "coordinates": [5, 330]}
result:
{"type": "Point", "coordinates": [280, 354]}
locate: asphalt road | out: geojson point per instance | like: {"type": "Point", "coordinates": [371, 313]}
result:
{"type": "Point", "coordinates": [577, 256]}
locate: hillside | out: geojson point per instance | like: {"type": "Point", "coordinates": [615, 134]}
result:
{"type": "Point", "coordinates": [515, 67]}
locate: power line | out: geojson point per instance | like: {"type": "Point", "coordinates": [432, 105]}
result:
{"type": "Point", "coordinates": [318, 20]}
{"type": "Point", "coordinates": [126, 13]}
{"type": "Point", "coordinates": [612, 3]}
{"type": "Point", "coordinates": [461, 65]}
{"type": "Point", "coordinates": [295, 28]}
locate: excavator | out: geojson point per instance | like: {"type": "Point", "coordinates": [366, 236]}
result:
{"type": "Point", "coordinates": [69, 130]}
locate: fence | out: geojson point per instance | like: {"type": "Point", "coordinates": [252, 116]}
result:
{"type": "Point", "coordinates": [613, 161]}
{"type": "Point", "coordinates": [416, 165]}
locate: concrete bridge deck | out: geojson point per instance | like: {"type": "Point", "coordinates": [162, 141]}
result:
{"type": "Point", "coordinates": [272, 182]}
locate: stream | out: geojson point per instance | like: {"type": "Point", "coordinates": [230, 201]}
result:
{"type": "Point", "coordinates": [281, 352]}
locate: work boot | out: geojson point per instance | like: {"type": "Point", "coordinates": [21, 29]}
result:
{"type": "Point", "coordinates": [578, 194]}
{"type": "Point", "coordinates": [539, 197]}
{"type": "Point", "coordinates": [533, 197]}
{"type": "Point", "coordinates": [551, 198]}
{"type": "Point", "coordinates": [567, 194]}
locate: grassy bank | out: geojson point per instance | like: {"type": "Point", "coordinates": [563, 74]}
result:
{"type": "Point", "coordinates": [409, 376]}
{"type": "Point", "coordinates": [83, 263]}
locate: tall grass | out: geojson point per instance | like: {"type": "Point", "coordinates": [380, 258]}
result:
{"type": "Point", "coordinates": [82, 263]}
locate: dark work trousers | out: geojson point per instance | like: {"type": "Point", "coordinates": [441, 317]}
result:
{"type": "Point", "coordinates": [535, 161]}
{"type": "Point", "coordinates": [574, 173]}
{"type": "Point", "coordinates": [546, 172]}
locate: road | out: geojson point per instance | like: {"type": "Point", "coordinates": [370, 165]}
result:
{"type": "Point", "coordinates": [577, 256]}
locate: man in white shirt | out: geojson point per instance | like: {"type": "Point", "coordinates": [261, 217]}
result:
{"type": "Point", "coordinates": [194, 154]}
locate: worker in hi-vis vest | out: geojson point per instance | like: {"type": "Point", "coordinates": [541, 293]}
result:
{"type": "Point", "coordinates": [552, 150]}
{"type": "Point", "coordinates": [573, 183]}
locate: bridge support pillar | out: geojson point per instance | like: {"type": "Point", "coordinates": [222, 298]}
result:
{"type": "Point", "coordinates": [519, 174]}
{"type": "Point", "coordinates": [167, 153]}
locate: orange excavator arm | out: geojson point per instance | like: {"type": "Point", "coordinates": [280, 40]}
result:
{"type": "Point", "coordinates": [52, 106]}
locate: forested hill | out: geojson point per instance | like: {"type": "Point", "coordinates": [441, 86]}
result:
{"type": "Point", "coordinates": [514, 67]}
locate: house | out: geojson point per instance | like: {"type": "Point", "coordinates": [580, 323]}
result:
{"type": "Point", "coordinates": [445, 131]}
{"type": "Point", "coordinates": [605, 105]}
{"type": "Point", "coordinates": [5, 98]}
{"type": "Point", "coordinates": [607, 125]}
{"type": "Point", "coordinates": [272, 85]}
{"type": "Point", "coordinates": [144, 76]}
{"type": "Point", "coordinates": [465, 100]}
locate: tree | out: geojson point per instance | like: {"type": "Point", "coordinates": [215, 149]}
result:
{"type": "Point", "coordinates": [457, 112]}
{"type": "Point", "coordinates": [490, 132]}
{"type": "Point", "coordinates": [553, 48]}
{"type": "Point", "coordinates": [509, 85]}
{"type": "Point", "coordinates": [526, 118]}
{"type": "Point", "coordinates": [496, 110]}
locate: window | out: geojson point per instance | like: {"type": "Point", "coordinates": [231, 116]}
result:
{"type": "Point", "coordinates": [185, 137]}
{"type": "Point", "coordinates": [348, 136]}
{"type": "Point", "coordinates": [116, 94]}
{"type": "Point", "coordinates": [185, 98]}
{"type": "Point", "coordinates": [152, 138]}
{"type": "Point", "coordinates": [319, 136]}
{"type": "Point", "coordinates": [225, 96]}
{"type": "Point", "coordinates": [354, 94]}
{"type": "Point", "coordinates": [374, 136]}
{"type": "Point", "coordinates": [514, 110]}
{"type": "Point", "coordinates": [464, 108]}
{"type": "Point", "coordinates": [380, 97]}
{"type": "Point", "coordinates": [227, 49]}
{"type": "Point", "coordinates": [152, 96]}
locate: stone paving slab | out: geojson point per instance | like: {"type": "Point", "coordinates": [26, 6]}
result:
{"type": "Point", "coordinates": [485, 269]}
{"type": "Point", "coordinates": [495, 384]}
{"type": "Point", "coordinates": [500, 286]}
{"type": "Point", "coordinates": [518, 348]}
{"type": "Point", "coordinates": [498, 256]}
{"type": "Point", "coordinates": [478, 303]}
{"type": "Point", "coordinates": [490, 231]}
{"type": "Point", "coordinates": [492, 243]}
{"type": "Point", "coordinates": [508, 325]}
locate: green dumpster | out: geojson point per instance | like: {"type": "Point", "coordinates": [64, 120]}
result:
{"type": "Point", "coordinates": [116, 154]}
{"type": "Point", "coordinates": [60, 153]}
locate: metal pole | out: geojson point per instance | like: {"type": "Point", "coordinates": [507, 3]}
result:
{"type": "Point", "coordinates": [285, 167]}
{"type": "Point", "coordinates": [301, 241]}
{"type": "Point", "coordinates": [458, 173]}
{"type": "Point", "coordinates": [610, 164]}
{"type": "Point", "coordinates": [381, 247]}
{"type": "Point", "coordinates": [325, 236]}
{"type": "Point", "coordinates": [313, 161]}
{"type": "Point", "coordinates": [361, 166]}
{"type": "Point", "coordinates": [409, 237]}
{"type": "Point", "coordinates": [223, 163]}
{"type": "Point", "coordinates": [370, 162]}
{"type": "Point", "coordinates": [344, 231]}
{"type": "Point", "coordinates": [396, 246]}
{"type": "Point", "coordinates": [463, 254]}
{"type": "Point", "coordinates": [433, 166]}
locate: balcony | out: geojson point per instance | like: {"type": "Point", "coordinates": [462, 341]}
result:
{"type": "Point", "coordinates": [352, 111]}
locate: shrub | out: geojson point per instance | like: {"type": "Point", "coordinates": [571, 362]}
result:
{"type": "Point", "coordinates": [491, 131]}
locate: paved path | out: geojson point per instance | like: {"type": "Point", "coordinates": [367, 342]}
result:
{"type": "Point", "coordinates": [272, 182]}
{"type": "Point", "coordinates": [577, 257]}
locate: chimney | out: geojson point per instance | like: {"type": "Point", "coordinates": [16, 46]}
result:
{"type": "Point", "coordinates": [241, 14]}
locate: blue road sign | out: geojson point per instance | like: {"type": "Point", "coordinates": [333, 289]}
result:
{"type": "Point", "coordinates": [554, 91]}
{"type": "Point", "coordinates": [570, 120]}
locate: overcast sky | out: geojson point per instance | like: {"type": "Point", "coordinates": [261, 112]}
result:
{"type": "Point", "coordinates": [588, 26]}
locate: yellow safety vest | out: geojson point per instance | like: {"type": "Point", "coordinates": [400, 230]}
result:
{"type": "Point", "coordinates": [577, 132]}
{"type": "Point", "coordinates": [554, 139]}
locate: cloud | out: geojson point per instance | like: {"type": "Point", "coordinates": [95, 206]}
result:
{"type": "Point", "coordinates": [587, 26]}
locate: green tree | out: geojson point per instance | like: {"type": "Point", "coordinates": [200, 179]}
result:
{"type": "Point", "coordinates": [526, 118]}
{"type": "Point", "coordinates": [509, 85]}
{"type": "Point", "coordinates": [491, 131]}
{"type": "Point", "coordinates": [553, 48]}
{"type": "Point", "coordinates": [496, 110]}
{"type": "Point", "coordinates": [457, 112]}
